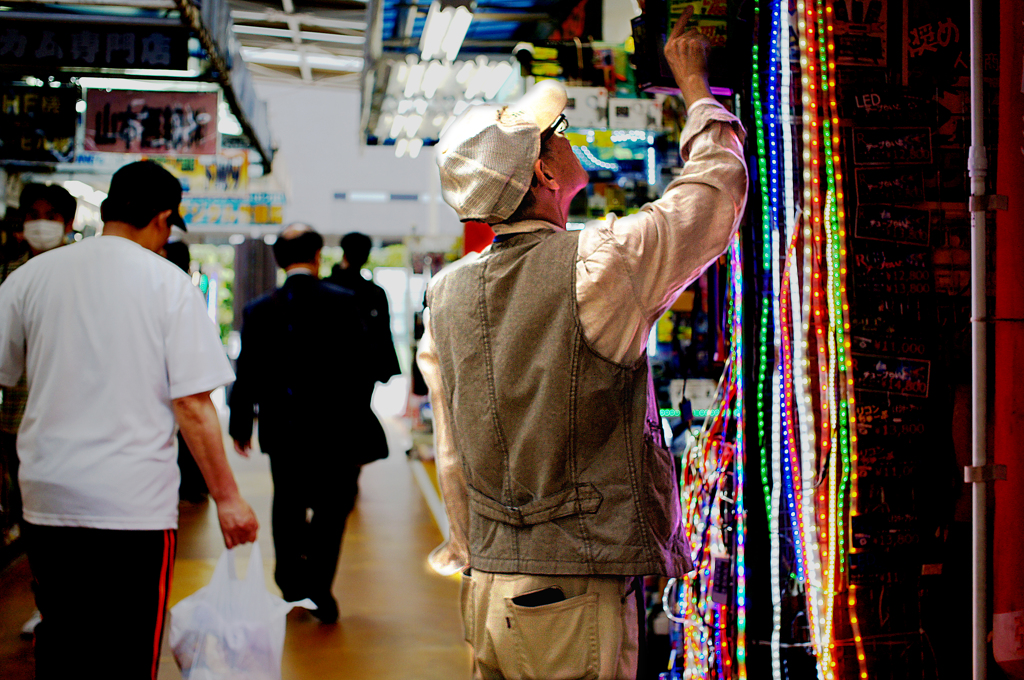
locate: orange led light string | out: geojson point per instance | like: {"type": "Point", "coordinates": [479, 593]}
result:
{"type": "Point", "coordinates": [848, 440]}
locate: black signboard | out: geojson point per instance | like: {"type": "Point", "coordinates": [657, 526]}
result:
{"type": "Point", "coordinates": [904, 347]}
{"type": "Point", "coordinates": [96, 45]}
{"type": "Point", "coordinates": [882, 145]}
{"type": "Point", "coordinates": [884, 530]}
{"type": "Point", "coordinates": [37, 123]}
{"type": "Point", "coordinates": [890, 185]}
{"type": "Point", "coordinates": [879, 460]}
{"type": "Point", "coordinates": [893, 223]}
{"type": "Point", "coordinates": [884, 263]}
{"type": "Point", "coordinates": [889, 415]}
{"type": "Point", "coordinates": [898, 375]}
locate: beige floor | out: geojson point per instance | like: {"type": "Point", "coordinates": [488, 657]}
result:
{"type": "Point", "coordinates": [398, 619]}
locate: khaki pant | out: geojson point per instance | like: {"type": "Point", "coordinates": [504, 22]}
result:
{"type": "Point", "coordinates": [592, 634]}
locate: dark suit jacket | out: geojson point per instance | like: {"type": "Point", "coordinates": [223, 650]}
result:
{"type": "Point", "coordinates": [288, 371]}
{"type": "Point", "coordinates": [373, 301]}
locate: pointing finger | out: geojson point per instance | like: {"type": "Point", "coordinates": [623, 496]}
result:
{"type": "Point", "coordinates": [680, 26]}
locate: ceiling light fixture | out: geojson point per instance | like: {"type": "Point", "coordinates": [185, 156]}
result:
{"type": "Point", "coordinates": [445, 29]}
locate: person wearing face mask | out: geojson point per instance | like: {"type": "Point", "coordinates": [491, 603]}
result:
{"type": "Point", "coordinates": [49, 212]}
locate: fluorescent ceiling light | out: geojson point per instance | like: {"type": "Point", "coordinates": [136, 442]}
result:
{"type": "Point", "coordinates": [434, 29]}
{"type": "Point", "coordinates": [412, 86]}
{"type": "Point", "coordinates": [444, 30]}
{"type": "Point", "coordinates": [322, 62]}
{"type": "Point", "coordinates": [92, 83]}
{"type": "Point", "coordinates": [412, 124]}
{"type": "Point", "coordinates": [436, 74]}
{"type": "Point", "coordinates": [452, 42]}
{"type": "Point", "coordinates": [400, 146]}
{"type": "Point", "coordinates": [397, 125]}
{"type": "Point", "coordinates": [465, 73]}
{"type": "Point", "coordinates": [414, 147]}
{"type": "Point", "coordinates": [369, 196]}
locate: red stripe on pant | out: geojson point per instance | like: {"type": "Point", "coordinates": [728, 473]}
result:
{"type": "Point", "coordinates": [166, 577]}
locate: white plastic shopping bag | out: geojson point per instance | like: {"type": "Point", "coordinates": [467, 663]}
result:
{"type": "Point", "coordinates": [232, 628]}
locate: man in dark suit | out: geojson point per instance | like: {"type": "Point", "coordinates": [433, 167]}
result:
{"type": "Point", "coordinates": [373, 301]}
{"type": "Point", "coordinates": [290, 378]}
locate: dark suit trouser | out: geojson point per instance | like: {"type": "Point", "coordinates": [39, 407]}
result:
{"type": "Point", "coordinates": [308, 551]}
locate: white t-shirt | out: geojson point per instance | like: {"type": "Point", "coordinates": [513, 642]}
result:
{"type": "Point", "coordinates": [108, 333]}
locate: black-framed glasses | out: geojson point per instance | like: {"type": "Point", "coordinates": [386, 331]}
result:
{"type": "Point", "coordinates": [560, 125]}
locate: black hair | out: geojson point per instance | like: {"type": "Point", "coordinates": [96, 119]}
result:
{"type": "Point", "coordinates": [139, 216]}
{"type": "Point", "coordinates": [298, 249]}
{"type": "Point", "coordinates": [57, 196]}
{"type": "Point", "coordinates": [357, 248]}
{"type": "Point", "coordinates": [177, 253]}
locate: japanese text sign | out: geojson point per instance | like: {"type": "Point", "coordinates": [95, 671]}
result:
{"type": "Point", "coordinates": [94, 45]}
{"type": "Point", "coordinates": [37, 123]}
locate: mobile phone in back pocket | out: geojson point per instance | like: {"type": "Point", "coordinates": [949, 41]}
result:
{"type": "Point", "coordinates": [539, 598]}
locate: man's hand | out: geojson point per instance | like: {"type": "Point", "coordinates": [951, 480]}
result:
{"type": "Point", "coordinates": [200, 425]}
{"type": "Point", "coordinates": [238, 522]}
{"type": "Point", "coordinates": [687, 55]}
{"type": "Point", "coordinates": [243, 448]}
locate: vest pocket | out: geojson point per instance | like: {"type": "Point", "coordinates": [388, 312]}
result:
{"type": "Point", "coordinates": [663, 512]}
{"type": "Point", "coordinates": [555, 641]}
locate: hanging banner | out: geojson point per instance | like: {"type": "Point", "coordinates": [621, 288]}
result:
{"type": "Point", "coordinates": [60, 43]}
{"type": "Point", "coordinates": [258, 208]}
{"type": "Point", "coordinates": [164, 123]}
{"type": "Point", "coordinates": [227, 172]}
{"type": "Point", "coordinates": [37, 123]}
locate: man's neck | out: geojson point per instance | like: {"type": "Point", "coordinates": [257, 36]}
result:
{"type": "Point", "coordinates": [144, 237]}
{"type": "Point", "coordinates": [302, 268]}
{"type": "Point", "coordinates": [546, 211]}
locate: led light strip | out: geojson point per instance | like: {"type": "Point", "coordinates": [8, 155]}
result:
{"type": "Point", "coordinates": [739, 464]}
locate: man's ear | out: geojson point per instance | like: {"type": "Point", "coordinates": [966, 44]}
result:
{"type": "Point", "coordinates": [542, 175]}
{"type": "Point", "coordinates": [161, 219]}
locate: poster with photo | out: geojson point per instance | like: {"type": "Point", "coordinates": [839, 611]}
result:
{"type": "Point", "coordinates": [164, 123]}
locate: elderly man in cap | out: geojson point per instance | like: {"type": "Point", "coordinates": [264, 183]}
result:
{"type": "Point", "coordinates": [559, 491]}
{"type": "Point", "coordinates": [117, 346]}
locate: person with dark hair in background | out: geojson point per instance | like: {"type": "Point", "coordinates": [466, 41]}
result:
{"type": "Point", "coordinates": [117, 347]}
{"type": "Point", "coordinates": [307, 404]}
{"type": "Point", "coordinates": [382, 358]}
{"type": "Point", "coordinates": [48, 213]}
{"type": "Point", "coordinates": [193, 486]}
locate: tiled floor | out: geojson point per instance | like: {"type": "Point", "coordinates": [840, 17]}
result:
{"type": "Point", "coordinates": [398, 619]}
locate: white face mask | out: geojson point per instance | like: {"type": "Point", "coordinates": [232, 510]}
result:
{"type": "Point", "coordinates": [44, 235]}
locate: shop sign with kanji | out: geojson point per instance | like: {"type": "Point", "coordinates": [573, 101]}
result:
{"type": "Point", "coordinates": [51, 44]}
{"type": "Point", "coordinates": [37, 123]}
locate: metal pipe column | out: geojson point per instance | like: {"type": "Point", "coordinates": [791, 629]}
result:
{"type": "Point", "coordinates": [977, 164]}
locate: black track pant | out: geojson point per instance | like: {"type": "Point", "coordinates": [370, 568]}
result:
{"type": "Point", "coordinates": [103, 598]}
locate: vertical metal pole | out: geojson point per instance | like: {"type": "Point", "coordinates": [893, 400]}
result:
{"type": "Point", "coordinates": [978, 169]}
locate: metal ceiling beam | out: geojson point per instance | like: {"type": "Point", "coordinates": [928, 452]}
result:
{"type": "Point", "coordinates": [315, 36]}
{"type": "Point", "coordinates": [235, 93]}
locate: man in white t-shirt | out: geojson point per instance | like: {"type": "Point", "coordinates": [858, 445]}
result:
{"type": "Point", "coordinates": [117, 346]}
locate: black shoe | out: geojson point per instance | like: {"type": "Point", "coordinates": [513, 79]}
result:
{"type": "Point", "coordinates": [326, 609]}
